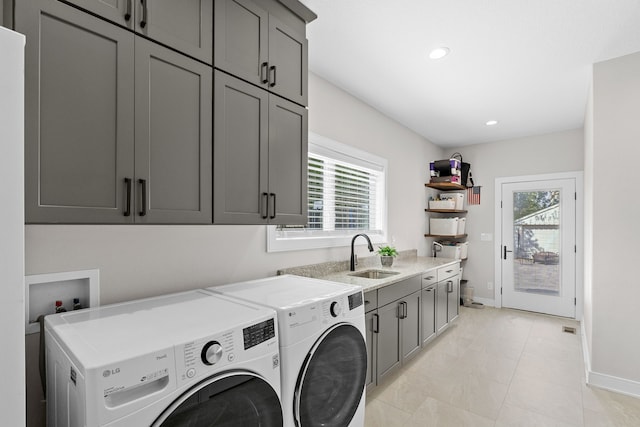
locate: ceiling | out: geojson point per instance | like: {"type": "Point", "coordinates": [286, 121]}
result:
{"type": "Point", "coordinates": [525, 63]}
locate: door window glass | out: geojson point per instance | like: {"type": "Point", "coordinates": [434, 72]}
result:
{"type": "Point", "coordinates": [238, 400]}
{"type": "Point", "coordinates": [332, 380]}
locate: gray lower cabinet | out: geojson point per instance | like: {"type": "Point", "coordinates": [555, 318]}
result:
{"type": "Point", "coordinates": [393, 328]}
{"type": "Point", "coordinates": [428, 314]}
{"type": "Point", "coordinates": [453, 298]}
{"type": "Point", "coordinates": [185, 25]}
{"type": "Point", "coordinates": [251, 42]}
{"type": "Point", "coordinates": [388, 346]}
{"type": "Point", "coordinates": [442, 303]}
{"type": "Point", "coordinates": [116, 127]}
{"type": "Point", "coordinates": [371, 322]}
{"type": "Point", "coordinates": [260, 155]}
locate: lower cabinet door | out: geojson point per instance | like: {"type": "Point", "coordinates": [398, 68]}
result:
{"type": "Point", "coordinates": [389, 357]}
{"type": "Point", "coordinates": [428, 314]}
{"type": "Point", "coordinates": [453, 298]}
{"type": "Point", "coordinates": [371, 322]}
{"type": "Point", "coordinates": [411, 338]}
{"type": "Point", "coordinates": [442, 319]}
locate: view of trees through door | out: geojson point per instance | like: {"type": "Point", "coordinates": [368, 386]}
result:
{"type": "Point", "coordinates": [536, 233]}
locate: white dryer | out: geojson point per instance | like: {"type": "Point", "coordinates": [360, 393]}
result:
{"type": "Point", "coordinates": [322, 347]}
{"type": "Point", "coordinates": [187, 359]}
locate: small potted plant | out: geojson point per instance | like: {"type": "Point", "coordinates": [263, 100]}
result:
{"type": "Point", "coordinates": [386, 255]}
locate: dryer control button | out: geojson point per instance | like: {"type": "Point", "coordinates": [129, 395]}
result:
{"type": "Point", "coordinates": [335, 309]}
{"type": "Point", "coordinates": [211, 353]}
{"type": "Point", "coordinates": [191, 373]}
{"type": "Point", "coordinates": [231, 357]}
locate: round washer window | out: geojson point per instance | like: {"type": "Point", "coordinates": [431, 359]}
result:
{"type": "Point", "coordinates": [331, 382]}
{"type": "Point", "coordinates": [231, 401]}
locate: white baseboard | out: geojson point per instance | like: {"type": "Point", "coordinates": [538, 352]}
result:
{"type": "Point", "coordinates": [486, 301]}
{"type": "Point", "coordinates": [607, 382]}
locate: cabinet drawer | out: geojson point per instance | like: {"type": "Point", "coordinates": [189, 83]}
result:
{"type": "Point", "coordinates": [370, 301]}
{"type": "Point", "coordinates": [429, 278]}
{"type": "Point", "coordinates": [399, 290]}
{"type": "Point", "coordinates": [448, 271]}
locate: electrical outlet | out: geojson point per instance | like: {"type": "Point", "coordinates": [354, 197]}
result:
{"type": "Point", "coordinates": [490, 286]}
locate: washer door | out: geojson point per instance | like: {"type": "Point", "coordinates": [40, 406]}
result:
{"type": "Point", "coordinates": [233, 399]}
{"type": "Point", "coordinates": [331, 381]}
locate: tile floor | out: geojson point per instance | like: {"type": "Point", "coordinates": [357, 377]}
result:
{"type": "Point", "coordinates": [502, 368]}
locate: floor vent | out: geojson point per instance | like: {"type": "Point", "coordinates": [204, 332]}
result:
{"type": "Point", "coordinates": [569, 330]}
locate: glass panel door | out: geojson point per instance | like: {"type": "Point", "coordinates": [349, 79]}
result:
{"type": "Point", "coordinates": [538, 246]}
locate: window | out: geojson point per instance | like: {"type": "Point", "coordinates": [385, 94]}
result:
{"type": "Point", "coordinates": [346, 196]}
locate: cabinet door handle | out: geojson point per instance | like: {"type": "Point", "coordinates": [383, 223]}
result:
{"type": "Point", "coordinates": [127, 209]}
{"type": "Point", "coordinates": [143, 183]}
{"type": "Point", "coordinates": [265, 211]}
{"type": "Point", "coordinates": [376, 324]}
{"type": "Point", "coordinates": [272, 71]}
{"type": "Point", "coordinates": [449, 286]}
{"type": "Point", "coordinates": [264, 72]}
{"type": "Point", "coordinates": [429, 277]}
{"type": "Point", "coordinates": [143, 21]}
{"type": "Point", "coordinates": [127, 14]}
{"type": "Point", "coordinates": [273, 195]}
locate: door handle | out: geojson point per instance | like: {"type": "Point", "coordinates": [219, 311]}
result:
{"type": "Point", "coordinates": [449, 286]}
{"type": "Point", "coordinates": [274, 205]}
{"type": "Point", "coordinates": [264, 72]}
{"type": "Point", "coordinates": [127, 209]}
{"type": "Point", "coordinates": [272, 69]}
{"type": "Point", "coordinates": [265, 212]}
{"type": "Point", "coordinates": [127, 14]}
{"type": "Point", "coordinates": [145, 12]}
{"type": "Point", "coordinates": [143, 182]}
{"type": "Point", "coordinates": [376, 324]}
{"type": "Point", "coordinates": [505, 252]}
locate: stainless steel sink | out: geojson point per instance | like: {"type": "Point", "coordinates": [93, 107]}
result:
{"type": "Point", "coordinates": [374, 274]}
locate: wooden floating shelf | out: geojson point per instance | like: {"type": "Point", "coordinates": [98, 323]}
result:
{"type": "Point", "coordinates": [457, 236]}
{"type": "Point", "coordinates": [444, 211]}
{"type": "Point", "coordinates": [446, 186]}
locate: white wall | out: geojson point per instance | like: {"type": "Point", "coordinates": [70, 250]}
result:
{"type": "Point", "coordinates": [615, 150]}
{"type": "Point", "coordinates": [138, 261]}
{"type": "Point", "coordinates": [12, 404]}
{"type": "Point", "coordinates": [587, 314]}
{"type": "Point", "coordinates": [556, 152]}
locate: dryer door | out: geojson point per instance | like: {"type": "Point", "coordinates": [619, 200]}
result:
{"type": "Point", "coordinates": [331, 382]}
{"type": "Point", "coordinates": [233, 399]}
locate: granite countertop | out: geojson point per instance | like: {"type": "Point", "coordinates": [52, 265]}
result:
{"type": "Point", "coordinates": [407, 264]}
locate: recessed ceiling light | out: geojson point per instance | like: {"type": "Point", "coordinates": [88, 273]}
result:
{"type": "Point", "coordinates": [439, 52]}
{"type": "Point", "coordinates": [492, 123]}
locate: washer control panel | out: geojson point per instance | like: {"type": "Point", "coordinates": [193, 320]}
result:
{"type": "Point", "coordinates": [258, 333]}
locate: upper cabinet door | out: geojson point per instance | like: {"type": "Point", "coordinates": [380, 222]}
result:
{"type": "Point", "coordinates": [241, 127]}
{"type": "Point", "coordinates": [288, 146]}
{"type": "Point", "coordinates": [118, 11]}
{"type": "Point", "coordinates": [288, 59]}
{"type": "Point", "coordinates": [185, 25]}
{"type": "Point", "coordinates": [79, 129]}
{"type": "Point", "coordinates": [173, 109]}
{"type": "Point", "coordinates": [241, 40]}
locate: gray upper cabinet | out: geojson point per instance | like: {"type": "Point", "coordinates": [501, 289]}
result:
{"type": "Point", "coordinates": [253, 44]}
{"type": "Point", "coordinates": [172, 144]}
{"type": "Point", "coordinates": [260, 155]}
{"type": "Point", "coordinates": [79, 115]}
{"type": "Point", "coordinates": [117, 128]}
{"type": "Point", "coordinates": [185, 25]}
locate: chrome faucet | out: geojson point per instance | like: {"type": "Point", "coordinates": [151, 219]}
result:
{"type": "Point", "coordinates": [435, 246]}
{"type": "Point", "coordinates": [352, 266]}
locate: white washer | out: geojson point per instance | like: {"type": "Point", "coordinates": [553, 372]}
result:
{"type": "Point", "coordinates": [322, 346]}
{"type": "Point", "coordinates": [191, 358]}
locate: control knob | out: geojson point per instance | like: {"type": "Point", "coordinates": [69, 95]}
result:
{"type": "Point", "coordinates": [335, 309]}
{"type": "Point", "coordinates": [211, 353]}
